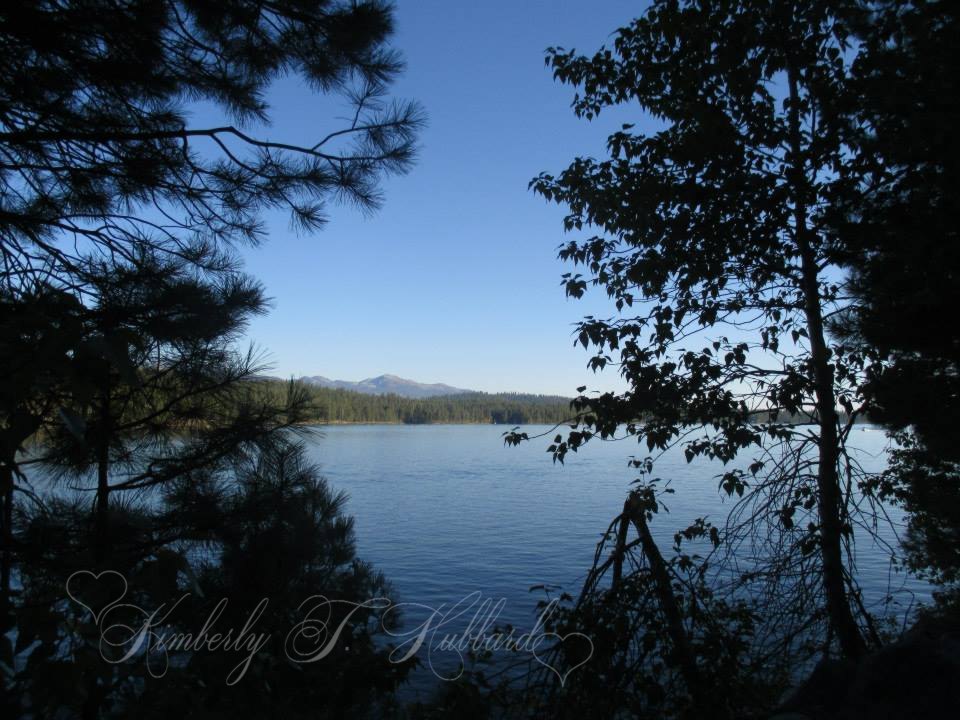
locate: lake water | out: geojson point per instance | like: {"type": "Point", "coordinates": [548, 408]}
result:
{"type": "Point", "coordinates": [447, 510]}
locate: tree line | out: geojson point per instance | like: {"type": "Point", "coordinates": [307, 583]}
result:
{"type": "Point", "coordinates": [335, 405]}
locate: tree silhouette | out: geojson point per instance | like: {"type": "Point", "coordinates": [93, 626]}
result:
{"type": "Point", "coordinates": [101, 170]}
{"type": "Point", "coordinates": [159, 389]}
{"type": "Point", "coordinates": [99, 154]}
{"type": "Point", "coordinates": [904, 255]}
{"type": "Point", "coordinates": [121, 298]}
{"type": "Point", "coordinates": [715, 236]}
{"type": "Point", "coordinates": [262, 530]}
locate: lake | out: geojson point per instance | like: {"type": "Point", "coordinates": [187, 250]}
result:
{"type": "Point", "coordinates": [447, 510]}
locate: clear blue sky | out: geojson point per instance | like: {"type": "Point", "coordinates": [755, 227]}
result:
{"type": "Point", "coordinates": [455, 279]}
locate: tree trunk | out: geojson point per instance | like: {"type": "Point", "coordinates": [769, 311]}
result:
{"type": "Point", "coordinates": [828, 487]}
{"type": "Point", "coordinates": [828, 491]}
{"type": "Point", "coordinates": [621, 548]}
{"type": "Point", "coordinates": [21, 426]}
{"type": "Point", "coordinates": [668, 602]}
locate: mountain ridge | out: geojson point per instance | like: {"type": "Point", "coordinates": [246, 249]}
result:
{"type": "Point", "coordinates": [387, 384]}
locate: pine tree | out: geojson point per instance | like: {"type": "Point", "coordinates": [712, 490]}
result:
{"type": "Point", "coordinates": [100, 163]}
{"type": "Point", "coordinates": [122, 299]}
{"type": "Point", "coordinates": [904, 258]}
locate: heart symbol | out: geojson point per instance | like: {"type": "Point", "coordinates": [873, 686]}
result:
{"type": "Point", "coordinates": [86, 584]}
{"type": "Point", "coordinates": [556, 645]}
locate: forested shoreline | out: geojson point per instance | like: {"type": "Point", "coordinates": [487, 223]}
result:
{"type": "Point", "coordinates": [329, 406]}
{"type": "Point", "coordinates": [337, 406]}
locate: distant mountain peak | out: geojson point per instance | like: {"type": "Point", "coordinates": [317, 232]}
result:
{"type": "Point", "coordinates": [387, 384]}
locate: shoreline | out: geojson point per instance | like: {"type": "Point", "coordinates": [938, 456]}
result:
{"type": "Point", "coordinates": [397, 422]}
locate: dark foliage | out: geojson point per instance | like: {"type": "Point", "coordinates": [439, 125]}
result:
{"type": "Point", "coordinates": [121, 302]}
{"type": "Point", "coordinates": [98, 154]}
{"type": "Point", "coordinates": [721, 238]}
{"type": "Point", "coordinates": [268, 531]}
{"type": "Point", "coordinates": [905, 259]}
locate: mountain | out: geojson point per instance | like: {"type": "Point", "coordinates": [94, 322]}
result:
{"type": "Point", "coordinates": [387, 384]}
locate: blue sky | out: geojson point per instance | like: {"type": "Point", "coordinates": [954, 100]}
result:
{"type": "Point", "coordinates": [455, 279]}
